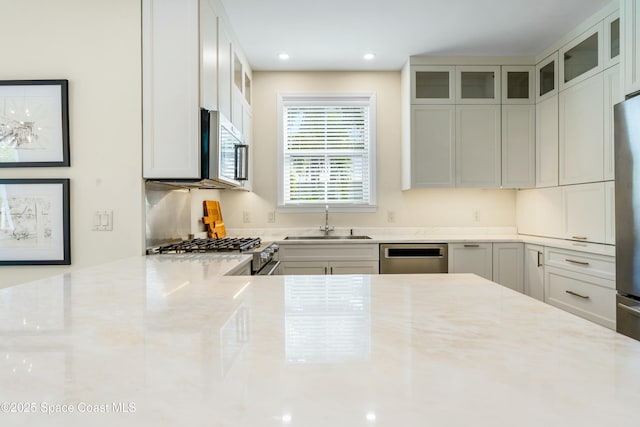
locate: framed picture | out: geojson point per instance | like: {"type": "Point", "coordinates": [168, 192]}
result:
{"type": "Point", "coordinates": [34, 222]}
{"type": "Point", "coordinates": [34, 123]}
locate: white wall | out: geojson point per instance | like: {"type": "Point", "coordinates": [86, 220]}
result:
{"type": "Point", "coordinates": [415, 208]}
{"type": "Point", "coordinates": [96, 46]}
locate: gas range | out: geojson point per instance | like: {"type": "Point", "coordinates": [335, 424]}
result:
{"type": "Point", "coordinates": [264, 260]}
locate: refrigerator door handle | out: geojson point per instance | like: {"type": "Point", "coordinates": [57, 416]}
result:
{"type": "Point", "coordinates": [634, 311]}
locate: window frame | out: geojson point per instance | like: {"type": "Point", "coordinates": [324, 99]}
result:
{"type": "Point", "coordinates": [314, 99]}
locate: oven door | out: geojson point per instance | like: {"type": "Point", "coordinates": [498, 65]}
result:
{"type": "Point", "coordinates": [269, 269]}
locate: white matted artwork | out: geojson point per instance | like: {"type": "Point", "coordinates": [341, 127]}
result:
{"type": "Point", "coordinates": [34, 221]}
{"type": "Point", "coordinates": [34, 123]}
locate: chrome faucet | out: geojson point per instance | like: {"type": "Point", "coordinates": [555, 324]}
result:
{"type": "Point", "coordinates": [326, 229]}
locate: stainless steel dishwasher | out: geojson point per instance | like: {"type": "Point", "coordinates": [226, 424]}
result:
{"type": "Point", "coordinates": [413, 258]}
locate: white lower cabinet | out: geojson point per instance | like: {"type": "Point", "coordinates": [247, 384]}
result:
{"type": "Point", "coordinates": [334, 267]}
{"type": "Point", "coordinates": [328, 258]}
{"type": "Point", "coordinates": [534, 271]}
{"type": "Point", "coordinates": [610, 212]}
{"type": "Point", "coordinates": [474, 258]}
{"type": "Point", "coordinates": [582, 284]}
{"type": "Point", "coordinates": [508, 265]}
{"type": "Point", "coordinates": [241, 270]}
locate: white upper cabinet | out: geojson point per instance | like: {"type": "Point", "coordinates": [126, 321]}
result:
{"type": "Point", "coordinates": [582, 57]}
{"type": "Point", "coordinates": [225, 84]}
{"type": "Point", "coordinates": [547, 142]}
{"type": "Point", "coordinates": [518, 146]}
{"type": "Point", "coordinates": [518, 84]}
{"type": "Point", "coordinates": [612, 96]}
{"type": "Point", "coordinates": [547, 77]}
{"type": "Point", "coordinates": [433, 84]}
{"type": "Point", "coordinates": [583, 208]}
{"type": "Point", "coordinates": [171, 91]}
{"type": "Point", "coordinates": [478, 156]}
{"type": "Point", "coordinates": [630, 57]}
{"type": "Point", "coordinates": [187, 65]}
{"type": "Point", "coordinates": [208, 56]}
{"type": "Point", "coordinates": [432, 145]}
{"type": "Point", "coordinates": [611, 39]}
{"type": "Point", "coordinates": [478, 84]}
{"type": "Point", "coordinates": [581, 112]}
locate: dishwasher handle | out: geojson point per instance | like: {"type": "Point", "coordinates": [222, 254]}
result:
{"type": "Point", "coordinates": [414, 252]}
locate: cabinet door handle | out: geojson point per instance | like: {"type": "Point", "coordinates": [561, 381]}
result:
{"type": "Point", "coordinates": [576, 262]}
{"type": "Point", "coordinates": [331, 269]}
{"type": "Point", "coordinates": [579, 237]}
{"type": "Point", "coordinates": [471, 246]}
{"type": "Point", "coordinates": [539, 262]}
{"type": "Point", "coordinates": [575, 294]}
{"type": "Point", "coordinates": [325, 270]}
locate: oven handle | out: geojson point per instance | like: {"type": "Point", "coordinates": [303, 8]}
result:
{"type": "Point", "coordinates": [415, 253]}
{"type": "Point", "coordinates": [266, 271]}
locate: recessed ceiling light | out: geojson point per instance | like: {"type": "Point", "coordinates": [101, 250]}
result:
{"type": "Point", "coordinates": [283, 56]}
{"type": "Point", "coordinates": [369, 56]}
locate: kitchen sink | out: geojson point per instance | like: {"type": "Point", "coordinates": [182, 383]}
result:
{"type": "Point", "coordinates": [326, 237]}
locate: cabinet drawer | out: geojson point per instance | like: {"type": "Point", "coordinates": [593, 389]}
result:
{"type": "Point", "coordinates": [328, 252]}
{"type": "Point", "coordinates": [595, 265]}
{"type": "Point", "coordinates": [590, 297]}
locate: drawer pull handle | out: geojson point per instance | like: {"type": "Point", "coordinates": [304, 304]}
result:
{"type": "Point", "coordinates": [575, 294]}
{"type": "Point", "coordinates": [634, 311]}
{"type": "Point", "coordinates": [576, 262]}
{"type": "Point", "coordinates": [471, 246]}
{"type": "Point", "coordinates": [579, 237]}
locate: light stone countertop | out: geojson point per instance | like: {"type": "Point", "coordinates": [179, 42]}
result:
{"type": "Point", "coordinates": [425, 235]}
{"type": "Point", "coordinates": [174, 343]}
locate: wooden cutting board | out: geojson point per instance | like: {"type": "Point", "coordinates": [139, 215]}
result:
{"type": "Point", "coordinates": [212, 219]}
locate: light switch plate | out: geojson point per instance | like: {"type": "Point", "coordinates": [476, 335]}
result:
{"type": "Point", "coordinates": [103, 220]}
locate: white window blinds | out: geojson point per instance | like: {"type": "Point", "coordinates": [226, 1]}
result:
{"type": "Point", "coordinates": [328, 153]}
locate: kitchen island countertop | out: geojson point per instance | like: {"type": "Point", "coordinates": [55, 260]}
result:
{"type": "Point", "coordinates": [167, 340]}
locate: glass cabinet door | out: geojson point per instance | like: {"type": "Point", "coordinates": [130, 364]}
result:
{"type": "Point", "coordinates": [478, 84]}
{"type": "Point", "coordinates": [547, 77]}
{"type": "Point", "coordinates": [237, 72]}
{"type": "Point", "coordinates": [582, 57]}
{"type": "Point", "coordinates": [247, 88]}
{"type": "Point", "coordinates": [517, 84]}
{"type": "Point", "coordinates": [432, 84]}
{"type": "Point", "coordinates": [612, 39]}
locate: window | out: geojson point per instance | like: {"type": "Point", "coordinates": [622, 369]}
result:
{"type": "Point", "coordinates": [327, 151]}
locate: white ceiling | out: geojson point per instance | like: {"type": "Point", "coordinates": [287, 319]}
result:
{"type": "Point", "coordinates": [335, 34]}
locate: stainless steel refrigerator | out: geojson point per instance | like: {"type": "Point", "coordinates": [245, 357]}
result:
{"type": "Point", "coordinates": [627, 174]}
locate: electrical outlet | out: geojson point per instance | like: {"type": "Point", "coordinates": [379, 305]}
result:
{"type": "Point", "coordinates": [271, 216]}
{"type": "Point", "coordinates": [476, 215]}
{"type": "Point", "coordinates": [391, 216]}
{"type": "Point", "coordinates": [246, 218]}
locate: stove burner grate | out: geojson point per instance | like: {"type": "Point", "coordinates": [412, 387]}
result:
{"type": "Point", "coordinates": [227, 244]}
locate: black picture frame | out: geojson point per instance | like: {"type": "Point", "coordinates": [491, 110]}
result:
{"type": "Point", "coordinates": [35, 222]}
{"type": "Point", "coordinates": [34, 123]}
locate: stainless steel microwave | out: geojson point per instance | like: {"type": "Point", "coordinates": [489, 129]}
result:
{"type": "Point", "coordinates": [224, 156]}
